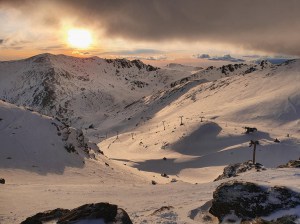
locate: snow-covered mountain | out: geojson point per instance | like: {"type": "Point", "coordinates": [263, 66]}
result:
{"type": "Point", "coordinates": [161, 139]}
{"type": "Point", "coordinates": [80, 91]}
{"type": "Point", "coordinates": [212, 73]}
{"type": "Point", "coordinates": [267, 98]}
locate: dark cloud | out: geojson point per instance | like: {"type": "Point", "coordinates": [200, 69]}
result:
{"type": "Point", "coordinates": [268, 25]}
{"type": "Point", "coordinates": [252, 56]}
{"type": "Point", "coordinates": [52, 47]}
{"type": "Point", "coordinates": [202, 56]}
{"type": "Point", "coordinates": [226, 57]}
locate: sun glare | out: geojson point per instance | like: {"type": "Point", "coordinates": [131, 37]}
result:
{"type": "Point", "coordinates": [79, 38]}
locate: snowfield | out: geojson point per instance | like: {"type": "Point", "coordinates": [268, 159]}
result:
{"type": "Point", "coordinates": [179, 131]}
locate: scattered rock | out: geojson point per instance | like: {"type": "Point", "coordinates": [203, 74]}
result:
{"type": "Point", "coordinates": [91, 126]}
{"type": "Point", "coordinates": [2, 181]}
{"type": "Point", "coordinates": [106, 164]}
{"type": "Point", "coordinates": [165, 158]}
{"type": "Point", "coordinates": [46, 216]}
{"type": "Point", "coordinates": [162, 209]}
{"type": "Point", "coordinates": [8, 157]}
{"type": "Point", "coordinates": [233, 170]}
{"type": "Point", "coordinates": [102, 211]}
{"type": "Point", "coordinates": [173, 180]}
{"type": "Point", "coordinates": [276, 140]}
{"type": "Point", "coordinates": [70, 147]}
{"type": "Point", "coordinates": [248, 200]}
{"type": "Point", "coordinates": [250, 130]}
{"type": "Point", "coordinates": [153, 182]}
{"type": "Point", "coordinates": [291, 164]}
{"type": "Point", "coordinates": [164, 175]}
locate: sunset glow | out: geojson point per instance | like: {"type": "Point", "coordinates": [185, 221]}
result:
{"type": "Point", "coordinates": [79, 38]}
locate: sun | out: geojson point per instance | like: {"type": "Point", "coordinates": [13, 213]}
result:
{"type": "Point", "coordinates": [79, 38]}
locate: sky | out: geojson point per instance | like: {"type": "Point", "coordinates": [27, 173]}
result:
{"type": "Point", "coordinates": [158, 31]}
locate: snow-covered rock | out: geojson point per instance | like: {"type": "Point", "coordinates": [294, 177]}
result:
{"type": "Point", "coordinates": [291, 164]}
{"type": "Point", "coordinates": [233, 170]}
{"type": "Point", "coordinates": [89, 213]}
{"type": "Point", "coordinates": [248, 200]}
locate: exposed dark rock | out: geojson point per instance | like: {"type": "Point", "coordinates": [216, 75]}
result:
{"type": "Point", "coordinates": [250, 70]}
{"type": "Point", "coordinates": [164, 158]}
{"type": "Point", "coordinates": [153, 182]}
{"type": "Point", "coordinates": [108, 212]}
{"type": "Point", "coordinates": [162, 209]}
{"type": "Point", "coordinates": [139, 84]}
{"type": "Point", "coordinates": [248, 200]}
{"type": "Point", "coordinates": [276, 140]}
{"type": "Point", "coordinates": [233, 170]}
{"type": "Point", "coordinates": [70, 148]}
{"type": "Point", "coordinates": [164, 175]}
{"type": "Point", "coordinates": [290, 219]}
{"type": "Point", "coordinates": [250, 130]}
{"type": "Point", "coordinates": [291, 164]}
{"type": "Point", "coordinates": [105, 211]}
{"type": "Point", "coordinates": [46, 216]}
{"type": "Point", "coordinates": [2, 181]}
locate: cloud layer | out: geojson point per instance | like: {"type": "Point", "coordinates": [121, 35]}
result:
{"type": "Point", "coordinates": [269, 25]}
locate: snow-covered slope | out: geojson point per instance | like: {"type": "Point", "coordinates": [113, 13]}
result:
{"type": "Point", "coordinates": [37, 143]}
{"type": "Point", "coordinates": [81, 91]}
{"type": "Point", "coordinates": [268, 99]}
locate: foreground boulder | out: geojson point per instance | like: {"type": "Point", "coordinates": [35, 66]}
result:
{"type": "Point", "coordinates": [233, 170]}
{"type": "Point", "coordinates": [100, 211]}
{"type": "Point", "coordinates": [289, 219]}
{"type": "Point", "coordinates": [46, 216]}
{"type": "Point", "coordinates": [291, 164]}
{"type": "Point", "coordinates": [248, 200]}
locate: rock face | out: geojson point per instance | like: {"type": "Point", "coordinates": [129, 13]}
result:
{"type": "Point", "coordinates": [46, 216]}
{"type": "Point", "coordinates": [100, 211]}
{"type": "Point", "coordinates": [233, 170]}
{"type": "Point", "coordinates": [248, 200]}
{"type": "Point", "coordinates": [291, 164]}
{"type": "Point", "coordinates": [290, 219]}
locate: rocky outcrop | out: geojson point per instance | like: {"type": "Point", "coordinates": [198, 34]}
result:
{"type": "Point", "coordinates": [46, 216]}
{"type": "Point", "coordinates": [233, 170]}
{"type": "Point", "coordinates": [291, 164]}
{"type": "Point", "coordinates": [100, 211]}
{"type": "Point", "coordinates": [289, 219]}
{"type": "Point", "coordinates": [248, 200]}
